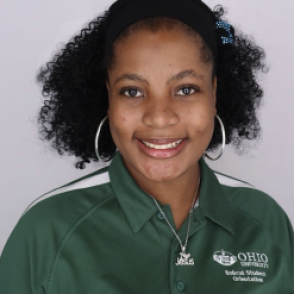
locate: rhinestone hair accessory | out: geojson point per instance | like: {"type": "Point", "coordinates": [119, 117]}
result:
{"type": "Point", "coordinates": [220, 24]}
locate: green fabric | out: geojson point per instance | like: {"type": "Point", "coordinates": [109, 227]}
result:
{"type": "Point", "coordinates": [109, 238]}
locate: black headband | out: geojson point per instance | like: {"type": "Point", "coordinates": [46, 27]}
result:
{"type": "Point", "coordinates": [194, 13]}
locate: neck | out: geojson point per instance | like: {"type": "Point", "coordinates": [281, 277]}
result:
{"type": "Point", "coordinates": [178, 193]}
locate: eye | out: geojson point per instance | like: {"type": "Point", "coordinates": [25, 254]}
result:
{"type": "Point", "coordinates": [132, 92]}
{"type": "Point", "coordinates": [186, 91]}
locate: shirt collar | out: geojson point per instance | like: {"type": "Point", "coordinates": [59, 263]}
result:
{"type": "Point", "coordinates": [139, 207]}
{"type": "Point", "coordinates": [212, 200]}
{"type": "Point", "coordinates": [135, 203]}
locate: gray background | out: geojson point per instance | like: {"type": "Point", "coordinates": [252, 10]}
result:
{"type": "Point", "coordinates": [32, 30]}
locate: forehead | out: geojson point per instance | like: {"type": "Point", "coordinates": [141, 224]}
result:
{"type": "Point", "coordinates": [167, 32]}
{"type": "Point", "coordinates": [145, 48]}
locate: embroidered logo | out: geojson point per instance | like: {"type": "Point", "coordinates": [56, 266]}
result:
{"type": "Point", "coordinates": [224, 258]}
{"type": "Point", "coordinates": [246, 260]}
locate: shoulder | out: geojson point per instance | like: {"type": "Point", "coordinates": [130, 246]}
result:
{"type": "Point", "coordinates": [76, 193]}
{"type": "Point", "coordinates": [244, 195]}
{"type": "Point", "coordinates": [44, 226]}
{"type": "Point", "coordinates": [257, 207]}
{"type": "Point", "coordinates": [52, 215]}
{"type": "Point", "coordinates": [61, 207]}
{"type": "Point", "coordinates": [248, 199]}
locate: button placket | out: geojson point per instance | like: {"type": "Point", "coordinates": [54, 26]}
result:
{"type": "Point", "coordinates": [178, 273]}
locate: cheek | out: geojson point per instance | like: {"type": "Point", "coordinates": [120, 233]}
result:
{"type": "Point", "coordinates": [116, 115]}
{"type": "Point", "coordinates": [118, 125]}
{"type": "Point", "coordinates": [121, 120]}
{"type": "Point", "coordinates": [122, 126]}
{"type": "Point", "coordinates": [199, 122]}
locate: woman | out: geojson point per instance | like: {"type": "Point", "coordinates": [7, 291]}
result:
{"type": "Point", "coordinates": [173, 81]}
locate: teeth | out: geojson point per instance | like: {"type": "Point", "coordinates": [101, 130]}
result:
{"type": "Point", "coordinates": [163, 146]}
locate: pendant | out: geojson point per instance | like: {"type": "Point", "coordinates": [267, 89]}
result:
{"type": "Point", "coordinates": [184, 258]}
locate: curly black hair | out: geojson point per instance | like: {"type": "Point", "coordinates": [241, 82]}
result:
{"type": "Point", "coordinates": [76, 98]}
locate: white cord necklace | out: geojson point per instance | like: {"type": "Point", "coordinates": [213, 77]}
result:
{"type": "Point", "coordinates": [184, 258]}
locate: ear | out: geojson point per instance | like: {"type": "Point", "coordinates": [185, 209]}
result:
{"type": "Point", "coordinates": [214, 91]}
{"type": "Point", "coordinates": [107, 85]}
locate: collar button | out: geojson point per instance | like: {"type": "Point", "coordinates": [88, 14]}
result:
{"type": "Point", "coordinates": [160, 215]}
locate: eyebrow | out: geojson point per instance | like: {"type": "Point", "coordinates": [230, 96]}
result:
{"type": "Point", "coordinates": [132, 77]}
{"type": "Point", "coordinates": [186, 73]}
{"type": "Point", "coordinates": [181, 75]}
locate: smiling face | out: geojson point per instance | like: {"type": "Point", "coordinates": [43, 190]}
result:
{"type": "Point", "coordinates": [161, 104]}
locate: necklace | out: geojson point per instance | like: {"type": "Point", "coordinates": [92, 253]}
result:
{"type": "Point", "coordinates": [184, 258]}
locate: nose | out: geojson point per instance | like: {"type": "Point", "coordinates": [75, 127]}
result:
{"type": "Point", "coordinates": [160, 113]}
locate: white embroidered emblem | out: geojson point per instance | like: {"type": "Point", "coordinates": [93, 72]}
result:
{"type": "Point", "coordinates": [224, 258]}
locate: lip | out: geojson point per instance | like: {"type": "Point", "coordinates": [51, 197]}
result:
{"type": "Point", "coordinates": [161, 153]}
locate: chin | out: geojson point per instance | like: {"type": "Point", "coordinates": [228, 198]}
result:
{"type": "Point", "coordinates": [160, 173]}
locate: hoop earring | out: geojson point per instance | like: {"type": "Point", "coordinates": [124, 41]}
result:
{"type": "Point", "coordinates": [223, 140]}
{"type": "Point", "coordinates": [97, 139]}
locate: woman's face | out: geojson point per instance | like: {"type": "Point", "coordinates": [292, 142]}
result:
{"type": "Point", "coordinates": [161, 103]}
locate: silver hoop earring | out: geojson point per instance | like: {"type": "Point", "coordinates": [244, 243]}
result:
{"type": "Point", "coordinates": [97, 139]}
{"type": "Point", "coordinates": [223, 140]}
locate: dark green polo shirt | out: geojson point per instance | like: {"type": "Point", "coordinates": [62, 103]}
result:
{"type": "Point", "coordinates": [101, 234]}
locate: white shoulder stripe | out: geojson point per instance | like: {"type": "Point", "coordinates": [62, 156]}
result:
{"type": "Point", "coordinates": [96, 180]}
{"type": "Point", "coordinates": [227, 181]}
{"type": "Point", "coordinates": [197, 203]}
